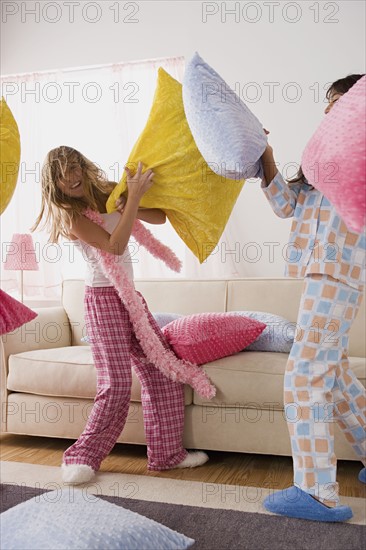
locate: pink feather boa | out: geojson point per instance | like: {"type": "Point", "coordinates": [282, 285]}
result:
{"type": "Point", "coordinates": [155, 247]}
{"type": "Point", "coordinates": [163, 359]}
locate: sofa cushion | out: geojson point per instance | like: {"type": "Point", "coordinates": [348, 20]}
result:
{"type": "Point", "coordinates": [62, 372]}
{"type": "Point", "coordinates": [208, 336]}
{"type": "Point", "coordinates": [187, 296]}
{"type": "Point", "coordinates": [70, 372]}
{"type": "Point", "coordinates": [255, 379]}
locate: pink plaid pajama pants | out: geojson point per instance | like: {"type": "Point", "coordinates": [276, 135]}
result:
{"type": "Point", "coordinates": [115, 349]}
{"type": "Point", "coordinates": [320, 388]}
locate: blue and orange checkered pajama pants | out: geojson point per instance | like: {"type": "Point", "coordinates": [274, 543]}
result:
{"type": "Point", "coordinates": [115, 349]}
{"type": "Point", "coordinates": [320, 388]}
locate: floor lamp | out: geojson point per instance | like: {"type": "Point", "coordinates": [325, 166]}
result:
{"type": "Point", "coordinates": [21, 256]}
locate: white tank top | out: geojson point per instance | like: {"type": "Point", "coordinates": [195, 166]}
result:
{"type": "Point", "coordinates": [94, 274]}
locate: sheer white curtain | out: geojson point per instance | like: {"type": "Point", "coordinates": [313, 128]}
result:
{"type": "Point", "coordinates": [100, 111]}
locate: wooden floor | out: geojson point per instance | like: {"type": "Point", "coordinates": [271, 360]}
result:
{"type": "Point", "coordinates": [225, 468]}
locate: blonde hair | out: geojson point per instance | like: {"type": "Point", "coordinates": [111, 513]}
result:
{"type": "Point", "coordinates": [57, 208]}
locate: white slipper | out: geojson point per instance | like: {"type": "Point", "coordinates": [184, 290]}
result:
{"type": "Point", "coordinates": [74, 474]}
{"type": "Point", "coordinates": [192, 460]}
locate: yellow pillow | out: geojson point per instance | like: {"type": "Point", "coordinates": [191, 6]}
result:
{"type": "Point", "coordinates": [9, 154]}
{"type": "Point", "coordinates": [197, 201]}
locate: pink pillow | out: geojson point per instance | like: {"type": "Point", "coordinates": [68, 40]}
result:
{"type": "Point", "coordinates": [204, 337]}
{"type": "Point", "coordinates": [334, 160]}
{"type": "Point", "coordinates": [13, 314]}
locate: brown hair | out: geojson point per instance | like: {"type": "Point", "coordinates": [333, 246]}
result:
{"type": "Point", "coordinates": [342, 85]}
{"type": "Point", "coordinates": [59, 209]}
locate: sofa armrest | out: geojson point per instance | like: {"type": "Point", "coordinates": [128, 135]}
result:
{"type": "Point", "coordinates": [50, 329]}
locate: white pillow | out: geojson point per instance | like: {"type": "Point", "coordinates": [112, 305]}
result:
{"type": "Point", "coordinates": [230, 138]}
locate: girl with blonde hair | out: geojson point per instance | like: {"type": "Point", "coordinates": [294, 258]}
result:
{"type": "Point", "coordinates": [74, 194]}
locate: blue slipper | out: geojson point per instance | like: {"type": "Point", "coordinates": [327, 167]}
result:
{"type": "Point", "coordinates": [295, 503]}
{"type": "Point", "coordinates": [362, 475]}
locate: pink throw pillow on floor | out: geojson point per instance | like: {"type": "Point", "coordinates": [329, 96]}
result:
{"type": "Point", "coordinates": [204, 337]}
{"type": "Point", "coordinates": [334, 160]}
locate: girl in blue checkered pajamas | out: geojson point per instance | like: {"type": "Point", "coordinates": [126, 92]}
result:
{"type": "Point", "coordinates": [319, 386]}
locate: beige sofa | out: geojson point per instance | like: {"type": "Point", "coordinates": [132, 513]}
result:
{"type": "Point", "coordinates": [48, 377]}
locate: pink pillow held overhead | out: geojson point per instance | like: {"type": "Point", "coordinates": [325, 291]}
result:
{"type": "Point", "coordinates": [334, 160]}
{"type": "Point", "coordinates": [13, 314]}
{"type": "Point", "coordinates": [205, 337]}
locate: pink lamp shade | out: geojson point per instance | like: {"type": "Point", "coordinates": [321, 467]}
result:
{"type": "Point", "coordinates": [13, 314]}
{"type": "Point", "coordinates": [21, 253]}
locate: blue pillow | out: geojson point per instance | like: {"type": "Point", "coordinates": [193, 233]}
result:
{"type": "Point", "coordinates": [74, 519]}
{"type": "Point", "coordinates": [165, 318]}
{"type": "Point", "coordinates": [161, 318]}
{"type": "Point", "coordinates": [230, 138]}
{"type": "Point", "coordinates": [277, 336]}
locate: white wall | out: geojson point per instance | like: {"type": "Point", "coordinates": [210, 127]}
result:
{"type": "Point", "coordinates": [307, 43]}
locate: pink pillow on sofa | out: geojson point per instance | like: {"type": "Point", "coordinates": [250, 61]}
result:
{"type": "Point", "coordinates": [204, 337]}
{"type": "Point", "coordinates": [334, 160]}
